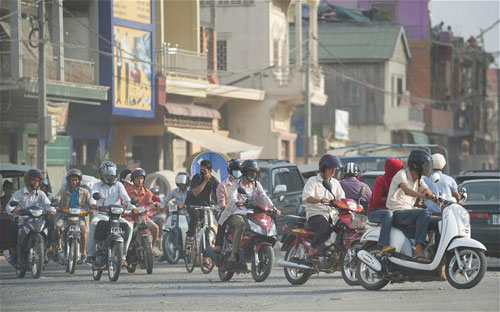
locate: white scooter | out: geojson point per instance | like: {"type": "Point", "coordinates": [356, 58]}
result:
{"type": "Point", "coordinates": [174, 233]}
{"type": "Point", "coordinates": [462, 258]}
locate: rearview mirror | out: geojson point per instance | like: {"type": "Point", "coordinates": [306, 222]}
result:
{"type": "Point", "coordinates": [327, 185]}
{"type": "Point", "coordinates": [281, 198]}
{"type": "Point", "coordinates": [96, 196]}
{"type": "Point", "coordinates": [14, 203]}
{"type": "Point", "coordinates": [134, 201]}
{"type": "Point", "coordinates": [242, 191]}
{"type": "Point", "coordinates": [155, 190]}
{"type": "Point", "coordinates": [280, 188]}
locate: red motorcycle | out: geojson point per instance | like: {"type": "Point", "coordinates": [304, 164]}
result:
{"type": "Point", "coordinates": [140, 251]}
{"type": "Point", "coordinates": [257, 243]}
{"type": "Point", "coordinates": [338, 252]}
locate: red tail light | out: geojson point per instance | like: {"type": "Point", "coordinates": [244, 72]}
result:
{"type": "Point", "coordinates": [480, 216]}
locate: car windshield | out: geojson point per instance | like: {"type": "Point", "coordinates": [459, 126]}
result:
{"type": "Point", "coordinates": [483, 191]}
{"type": "Point", "coordinates": [290, 177]}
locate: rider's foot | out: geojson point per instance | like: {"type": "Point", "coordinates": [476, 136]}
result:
{"type": "Point", "coordinates": [387, 249]}
{"type": "Point", "coordinates": [124, 262]}
{"type": "Point", "coordinates": [313, 253]}
{"type": "Point", "coordinates": [232, 258]}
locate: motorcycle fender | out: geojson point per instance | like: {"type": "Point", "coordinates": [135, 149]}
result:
{"type": "Point", "coordinates": [371, 235]}
{"type": "Point", "coordinates": [262, 244]}
{"type": "Point", "coordinates": [465, 242]}
{"type": "Point", "coordinates": [118, 238]}
{"type": "Point", "coordinates": [368, 259]}
{"type": "Point", "coordinates": [288, 241]}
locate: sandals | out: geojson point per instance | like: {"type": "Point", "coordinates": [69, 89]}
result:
{"type": "Point", "coordinates": [387, 250]}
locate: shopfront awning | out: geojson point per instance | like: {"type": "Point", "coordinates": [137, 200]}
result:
{"type": "Point", "coordinates": [192, 110]}
{"type": "Point", "coordinates": [216, 143]}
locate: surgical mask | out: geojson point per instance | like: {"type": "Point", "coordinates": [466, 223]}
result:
{"type": "Point", "coordinates": [251, 176]}
{"type": "Point", "coordinates": [236, 174]}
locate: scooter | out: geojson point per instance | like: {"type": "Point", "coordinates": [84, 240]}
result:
{"type": "Point", "coordinates": [256, 245]}
{"type": "Point", "coordinates": [174, 233]}
{"type": "Point", "coordinates": [461, 258]}
{"type": "Point", "coordinates": [140, 251]}
{"type": "Point", "coordinates": [31, 241]}
{"type": "Point", "coordinates": [71, 238]}
{"type": "Point", "coordinates": [337, 253]}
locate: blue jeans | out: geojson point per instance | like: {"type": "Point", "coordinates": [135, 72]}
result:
{"type": "Point", "coordinates": [383, 216]}
{"type": "Point", "coordinates": [419, 217]}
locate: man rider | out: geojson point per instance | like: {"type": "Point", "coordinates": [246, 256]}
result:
{"type": "Point", "coordinates": [317, 197]}
{"type": "Point", "coordinates": [407, 185]}
{"type": "Point", "coordinates": [28, 196]}
{"type": "Point", "coordinates": [443, 184]}
{"type": "Point", "coordinates": [111, 192]}
{"type": "Point", "coordinates": [234, 171]}
{"type": "Point", "coordinates": [144, 197]}
{"type": "Point", "coordinates": [179, 195]}
{"type": "Point", "coordinates": [74, 195]}
{"type": "Point", "coordinates": [377, 210]}
{"type": "Point", "coordinates": [353, 188]}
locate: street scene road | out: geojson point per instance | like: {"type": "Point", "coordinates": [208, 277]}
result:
{"type": "Point", "coordinates": [171, 288]}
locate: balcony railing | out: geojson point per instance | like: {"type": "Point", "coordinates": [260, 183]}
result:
{"type": "Point", "coordinates": [75, 71]}
{"type": "Point", "coordinates": [175, 62]}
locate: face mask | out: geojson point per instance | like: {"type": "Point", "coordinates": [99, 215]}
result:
{"type": "Point", "coordinates": [251, 176]}
{"type": "Point", "coordinates": [236, 174]}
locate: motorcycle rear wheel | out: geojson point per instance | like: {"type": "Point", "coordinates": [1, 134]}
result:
{"type": "Point", "coordinates": [349, 273]}
{"type": "Point", "coordinates": [294, 276]}
{"type": "Point", "coordinates": [171, 248]}
{"type": "Point", "coordinates": [224, 275]}
{"type": "Point", "coordinates": [148, 254]}
{"type": "Point", "coordinates": [261, 271]}
{"type": "Point", "coordinates": [366, 276]}
{"type": "Point", "coordinates": [115, 262]}
{"type": "Point", "coordinates": [38, 252]}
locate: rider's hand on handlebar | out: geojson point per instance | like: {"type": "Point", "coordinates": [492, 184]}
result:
{"type": "Point", "coordinates": [277, 211]}
{"type": "Point", "coordinates": [16, 210]}
{"type": "Point", "coordinates": [325, 201]}
{"type": "Point", "coordinates": [52, 212]}
{"type": "Point", "coordinates": [135, 210]}
{"type": "Point", "coordinates": [241, 202]}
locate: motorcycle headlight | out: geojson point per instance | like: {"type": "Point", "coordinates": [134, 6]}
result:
{"type": "Point", "coordinates": [273, 230]}
{"type": "Point", "coordinates": [254, 227]}
{"type": "Point", "coordinates": [36, 212]}
{"type": "Point", "coordinates": [74, 211]}
{"type": "Point", "coordinates": [116, 210]}
{"type": "Point", "coordinates": [464, 217]}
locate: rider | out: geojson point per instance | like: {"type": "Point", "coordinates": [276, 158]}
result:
{"type": "Point", "coordinates": [144, 197]}
{"type": "Point", "coordinates": [74, 195]}
{"type": "Point", "coordinates": [179, 195]}
{"type": "Point", "coordinates": [234, 171]}
{"type": "Point", "coordinates": [28, 196]}
{"type": "Point", "coordinates": [317, 197]}
{"type": "Point", "coordinates": [111, 192]}
{"type": "Point", "coordinates": [443, 184]}
{"type": "Point", "coordinates": [353, 188]}
{"type": "Point", "coordinates": [236, 211]}
{"type": "Point", "coordinates": [407, 185]}
{"type": "Point", "coordinates": [377, 211]}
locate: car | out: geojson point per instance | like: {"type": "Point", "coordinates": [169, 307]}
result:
{"type": "Point", "coordinates": [483, 204]}
{"type": "Point", "coordinates": [370, 163]}
{"type": "Point", "coordinates": [369, 177]}
{"type": "Point", "coordinates": [477, 174]}
{"type": "Point", "coordinates": [282, 178]}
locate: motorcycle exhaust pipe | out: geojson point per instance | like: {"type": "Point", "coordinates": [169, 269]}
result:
{"type": "Point", "coordinates": [368, 259]}
{"type": "Point", "coordinates": [293, 265]}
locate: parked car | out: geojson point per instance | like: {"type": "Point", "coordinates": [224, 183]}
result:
{"type": "Point", "coordinates": [483, 204]}
{"type": "Point", "coordinates": [477, 174]}
{"type": "Point", "coordinates": [282, 178]}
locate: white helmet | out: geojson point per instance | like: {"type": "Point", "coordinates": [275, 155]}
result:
{"type": "Point", "coordinates": [182, 178]}
{"type": "Point", "coordinates": [438, 161]}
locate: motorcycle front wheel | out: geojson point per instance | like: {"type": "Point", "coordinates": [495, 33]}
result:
{"type": "Point", "coordinates": [472, 271]}
{"type": "Point", "coordinates": [261, 267]}
{"type": "Point", "coordinates": [115, 261]}
{"type": "Point", "coordinates": [296, 276]}
{"type": "Point", "coordinates": [148, 254]}
{"type": "Point", "coordinates": [171, 248]}
{"type": "Point", "coordinates": [37, 258]}
{"type": "Point", "coordinates": [96, 274]}
{"type": "Point", "coordinates": [368, 278]}
{"type": "Point", "coordinates": [348, 271]}
{"type": "Point", "coordinates": [74, 246]}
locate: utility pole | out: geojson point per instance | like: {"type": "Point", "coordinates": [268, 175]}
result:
{"type": "Point", "coordinates": [298, 33]}
{"type": "Point", "coordinates": [40, 146]}
{"type": "Point", "coordinates": [498, 118]}
{"type": "Point", "coordinates": [307, 108]}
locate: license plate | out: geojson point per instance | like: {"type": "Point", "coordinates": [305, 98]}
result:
{"type": "Point", "coordinates": [74, 228]}
{"type": "Point", "coordinates": [173, 208]}
{"type": "Point", "coordinates": [116, 230]}
{"type": "Point", "coordinates": [495, 219]}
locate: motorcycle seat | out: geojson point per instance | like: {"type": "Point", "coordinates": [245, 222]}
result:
{"type": "Point", "coordinates": [295, 220]}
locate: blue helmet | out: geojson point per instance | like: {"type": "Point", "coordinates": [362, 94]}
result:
{"type": "Point", "coordinates": [328, 161]}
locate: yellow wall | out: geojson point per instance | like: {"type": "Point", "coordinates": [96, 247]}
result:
{"type": "Point", "coordinates": [182, 24]}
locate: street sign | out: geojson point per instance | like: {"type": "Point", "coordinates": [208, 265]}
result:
{"type": "Point", "coordinates": [219, 165]}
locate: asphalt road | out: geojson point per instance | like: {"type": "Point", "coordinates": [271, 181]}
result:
{"type": "Point", "coordinates": [171, 288]}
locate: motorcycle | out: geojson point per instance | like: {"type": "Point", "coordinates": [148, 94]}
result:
{"type": "Point", "coordinates": [337, 253]}
{"type": "Point", "coordinates": [71, 238]}
{"type": "Point", "coordinates": [461, 258]}
{"type": "Point", "coordinates": [140, 250]}
{"type": "Point", "coordinates": [31, 241]}
{"type": "Point", "coordinates": [256, 245]}
{"type": "Point", "coordinates": [109, 238]}
{"type": "Point", "coordinates": [174, 236]}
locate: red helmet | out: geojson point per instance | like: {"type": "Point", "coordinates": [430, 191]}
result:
{"type": "Point", "coordinates": [328, 161]}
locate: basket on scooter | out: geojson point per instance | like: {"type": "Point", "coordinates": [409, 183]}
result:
{"type": "Point", "coordinates": [358, 221]}
{"type": "Point", "coordinates": [294, 221]}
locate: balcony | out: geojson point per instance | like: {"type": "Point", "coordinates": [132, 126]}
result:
{"type": "Point", "coordinates": [75, 71]}
{"type": "Point", "coordinates": [438, 121]}
{"type": "Point", "coordinates": [175, 62]}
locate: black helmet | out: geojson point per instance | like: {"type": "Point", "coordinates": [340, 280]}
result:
{"type": "Point", "coordinates": [137, 172]}
{"type": "Point", "coordinates": [124, 174]}
{"type": "Point", "coordinates": [32, 174]}
{"type": "Point", "coordinates": [328, 161]}
{"type": "Point", "coordinates": [351, 170]}
{"type": "Point", "coordinates": [233, 164]}
{"type": "Point", "coordinates": [74, 172]}
{"type": "Point", "coordinates": [420, 161]}
{"type": "Point", "coordinates": [250, 169]}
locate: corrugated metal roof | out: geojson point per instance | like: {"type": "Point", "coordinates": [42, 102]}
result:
{"type": "Point", "coordinates": [352, 42]}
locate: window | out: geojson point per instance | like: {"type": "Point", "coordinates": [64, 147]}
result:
{"type": "Point", "coordinates": [289, 177]}
{"type": "Point", "coordinates": [221, 55]}
{"type": "Point", "coordinates": [352, 94]}
{"type": "Point", "coordinates": [400, 90]}
{"type": "Point", "coordinates": [285, 149]}
{"type": "Point", "coordinates": [264, 180]}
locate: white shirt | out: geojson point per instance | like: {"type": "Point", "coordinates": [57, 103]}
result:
{"type": "Point", "coordinates": [396, 198]}
{"type": "Point", "coordinates": [111, 195]}
{"type": "Point", "coordinates": [314, 188]}
{"type": "Point", "coordinates": [25, 200]}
